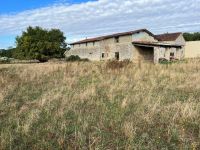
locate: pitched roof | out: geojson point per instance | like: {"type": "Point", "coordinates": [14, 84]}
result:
{"type": "Point", "coordinates": [152, 44]}
{"type": "Point", "coordinates": [168, 36]}
{"type": "Point", "coordinates": [113, 35]}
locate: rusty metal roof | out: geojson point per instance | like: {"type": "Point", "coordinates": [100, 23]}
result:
{"type": "Point", "coordinates": [168, 36]}
{"type": "Point", "coordinates": [113, 35]}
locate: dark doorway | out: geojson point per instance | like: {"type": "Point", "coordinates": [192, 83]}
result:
{"type": "Point", "coordinates": [103, 55]}
{"type": "Point", "coordinates": [146, 53]}
{"type": "Point", "coordinates": [117, 55]}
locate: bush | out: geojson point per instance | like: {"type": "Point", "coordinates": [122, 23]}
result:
{"type": "Point", "coordinates": [75, 58]}
{"type": "Point", "coordinates": [114, 64]}
{"type": "Point", "coordinates": [164, 61]}
{"type": "Point", "coordinates": [171, 61]}
{"type": "Point", "coordinates": [4, 60]}
{"type": "Point", "coordinates": [85, 59]}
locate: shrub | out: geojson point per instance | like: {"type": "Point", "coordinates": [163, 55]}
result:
{"type": "Point", "coordinates": [163, 60]}
{"type": "Point", "coordinates": [4, 60]}
{"type": "Point", "coordinates": [75, 58]}
{"type": "Point", "coordinates": [84, 59]}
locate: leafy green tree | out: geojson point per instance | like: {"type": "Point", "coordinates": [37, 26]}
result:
{"type": "Point", "coordinates": [192, 36]}
{"type": "Point", "coordinates": [7, 53]}
{"type": "Point", "coordinates": [40, 44]}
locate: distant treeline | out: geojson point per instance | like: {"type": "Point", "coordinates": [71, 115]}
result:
{"type": "Point", "coordinates": [192, 36]}
{"type": "Point", "coordinates": [7, 53]}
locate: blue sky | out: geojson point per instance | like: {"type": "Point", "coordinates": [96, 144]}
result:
{"type": "Point", "coordinates": [88, 18]}
{"type": "Point", "coordinates": [13, 6]}
{"type": "Point", "coordinates": [10, 6]}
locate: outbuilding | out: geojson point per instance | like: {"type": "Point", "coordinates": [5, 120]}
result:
{"type": "Point", "coordinates": [134, 45]}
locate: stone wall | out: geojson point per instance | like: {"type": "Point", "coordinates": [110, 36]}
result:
{"type": "Point", "coordinates": [107, 47]}
{"type": "Point", "coordinates": [164, 52]}
{"type": "Point", "coordinates": [143, 36]}
{"type": "Point", "coordinates": [124, 47]}
{"type": "Point", "coordinates": [192, 49]}
{"type": "Point", "coordinates": [90, 53]}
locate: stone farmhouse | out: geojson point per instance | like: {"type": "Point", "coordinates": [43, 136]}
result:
{"type": "Point", "coordinates": [134, 45]}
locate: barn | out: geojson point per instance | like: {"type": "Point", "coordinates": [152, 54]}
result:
{"type": "Point", "coordinates": [133, 45]}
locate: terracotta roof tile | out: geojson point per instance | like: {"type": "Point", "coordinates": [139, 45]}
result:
{"type": "Point", "coordinates": [168, 36]}
{"type": "Point", "coordinates": [113, 35]}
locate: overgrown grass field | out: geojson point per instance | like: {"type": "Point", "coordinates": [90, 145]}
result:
{"type": "Point", "coordinates": [85, 105]}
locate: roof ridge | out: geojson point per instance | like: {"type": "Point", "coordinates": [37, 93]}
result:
{"type": "Point", "coordinates": [168, 36]}
{"type": "Point", "coordinates": [170, 33]}
{"type": "Point", "coordinates": [113, 35]}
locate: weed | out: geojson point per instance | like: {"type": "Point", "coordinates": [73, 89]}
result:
{"type": "Point", "coordinates": [107, 105]}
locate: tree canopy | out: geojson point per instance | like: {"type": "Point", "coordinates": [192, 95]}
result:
{"type": "Point", "coordinates": [7, 53]}
{"type": "Point", "coordinates": [192, 36]}
{"type": "Point", "coordinates": [40, 44]}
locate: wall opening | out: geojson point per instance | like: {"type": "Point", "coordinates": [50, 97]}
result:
{"type": "Point", "coordinates": [102, 55]}
{"type": "Point", "coordinates": [116, 39]}
{"type": "Point", "coordinates": [172, 55]}
{"type": "Point", "coordinates": [117, 55]}
{"type": "Point", "coordinates": [145, 53]}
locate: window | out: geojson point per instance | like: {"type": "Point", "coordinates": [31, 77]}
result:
{"type": "Point", "coordinates": [116, 39]}
{"type": "Point", "coordinates": [93, 43]}
{"type": "Point", "coordinates": [117, 55]}
{"type": "Point", "coordinates": [86, 44]}
{"type": "Point", "coordinates": [171, 54]}
{"type": "Point", "coordinates": [103, 55]}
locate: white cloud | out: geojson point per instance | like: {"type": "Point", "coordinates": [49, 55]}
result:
{"type": "Point", "coordinates": [105, 16]}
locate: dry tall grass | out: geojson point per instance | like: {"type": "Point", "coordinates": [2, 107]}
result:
{"type": "Point", "coordinates": [93, 106]}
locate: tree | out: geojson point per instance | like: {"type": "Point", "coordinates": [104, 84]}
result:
{"type": "Point", "coordinates": [40, 44]}
{"type": "Point", "coordinates": [192, 36]}
{"type": "Point", "coordinates": [7, 53]}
